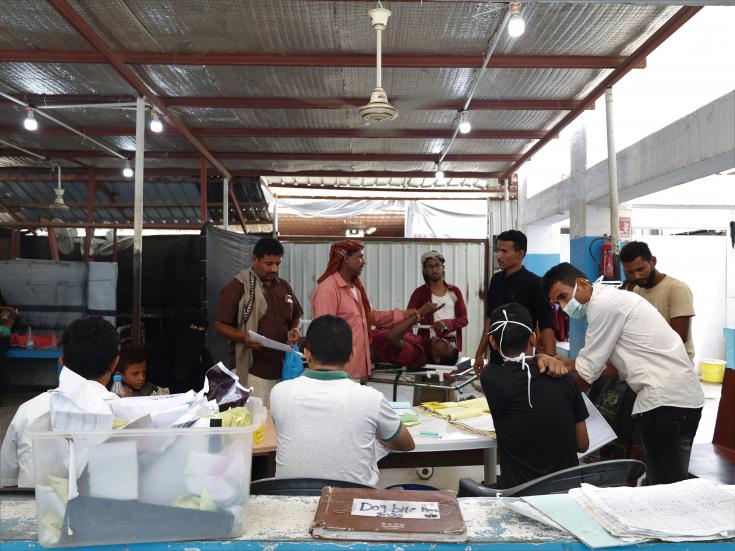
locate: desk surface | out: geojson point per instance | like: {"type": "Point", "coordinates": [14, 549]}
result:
{"type": "Point", "coordinates": [450, 437]}
{"type": "Point", "coordinates": [490, 525]}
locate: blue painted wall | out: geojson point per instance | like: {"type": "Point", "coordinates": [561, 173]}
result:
{"type": "Point", "coordinates": [540, 263]}
{"type": "Point", "coordinates": [579, 256]}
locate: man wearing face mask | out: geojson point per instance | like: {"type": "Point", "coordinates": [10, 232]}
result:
{"type": "Point", "coordinates": [671, 297]}
{"type": "Point", "coordinates": [647, 353]}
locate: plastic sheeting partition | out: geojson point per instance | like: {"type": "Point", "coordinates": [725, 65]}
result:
{"type": "Point", "coordinates": [335, 208]}
{"type": "Point", "coordinates": [52, 294]}
{"type": "Point", "coordinates": [227, 253]}
{"type": "Point", "coordinates": [456, 219]}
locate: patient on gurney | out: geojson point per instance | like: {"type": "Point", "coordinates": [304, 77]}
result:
{"type": "Point", "coordinates": [400, 346]}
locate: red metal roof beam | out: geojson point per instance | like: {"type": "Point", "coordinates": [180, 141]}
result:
{"type": "Point", "coordinates": [386, 133]}
{"type": "Point", "coordinates": [270, 156]}
{"type": "Point", "coordinates": [83, 28]}
{"type": "Point", "coordinates": [311, 103]}
{"type": "Point", "coordinates": [245, 59]}
{"type": "Point", "coordinates": [654, 41]}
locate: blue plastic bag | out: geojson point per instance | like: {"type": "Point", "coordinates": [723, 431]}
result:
{"type": "Point", "coordinates": [292, 365]}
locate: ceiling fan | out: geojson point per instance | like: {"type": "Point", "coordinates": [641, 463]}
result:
{"type": "Point", "coordinates": [379, 109]}
{"type": "Point", "coordinates": [58, 203]}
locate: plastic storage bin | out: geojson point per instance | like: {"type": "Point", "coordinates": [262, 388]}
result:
{"type": "Point", "coordinates": [142, 485]}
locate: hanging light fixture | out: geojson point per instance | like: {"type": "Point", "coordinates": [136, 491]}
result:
{"type": "Point", "coordinates": [464, 123]}
{"type": "Point", "coordinates": [127, 171]}
{"type": "Point", "coordinates": [156, 124]}
{"type": "Point", "coordinates": [439, 173]}
{"type": "Point", "coordinates": [58, 203]}
{"type": "Point", "coordinates": [516, 24]}
{"type": "Point", "coordinates": [30, 122]}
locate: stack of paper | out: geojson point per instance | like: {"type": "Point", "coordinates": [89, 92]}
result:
{"type": "Point", "coordinates": [690, 510]}
{"type": "Point", "coordinates": [454, 411]}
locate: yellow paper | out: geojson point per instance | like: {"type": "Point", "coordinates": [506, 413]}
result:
{"type": "Point", "coordinates": [467, 413]}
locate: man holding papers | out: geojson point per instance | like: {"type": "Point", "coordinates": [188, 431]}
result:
{"type": "Point", "coordinates": [642, 349]}
{"type": "Point", "coordinates": [258, 300]}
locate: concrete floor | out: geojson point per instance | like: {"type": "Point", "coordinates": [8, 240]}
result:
{"type": "Point", "coordinates": [444, 478]}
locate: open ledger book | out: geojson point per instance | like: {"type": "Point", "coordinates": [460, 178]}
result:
{"type": "Point", "coordinates": [366, 514]}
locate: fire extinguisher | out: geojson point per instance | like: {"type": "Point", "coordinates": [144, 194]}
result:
{"type": "Point", "coordinates": [606, 260]}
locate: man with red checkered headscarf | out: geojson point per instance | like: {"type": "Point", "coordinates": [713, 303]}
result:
{"type": "Point", "coordinates": [340, 292]}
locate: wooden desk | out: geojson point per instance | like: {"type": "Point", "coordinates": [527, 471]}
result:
{"type": "Point", "coordinates": [264, 453]}
{"type": "Point", "coordinates": [272, 520]}
{"type": "Point", "coordinates": [268, 445]}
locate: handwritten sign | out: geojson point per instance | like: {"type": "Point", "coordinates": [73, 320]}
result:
{"type": "Point", "coordinates": [395, 509]}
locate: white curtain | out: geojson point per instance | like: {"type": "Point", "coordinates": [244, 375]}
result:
{"type": "Point", "coordinates": [335, 208]}
{"type": "Point", "coordinates": [456, 219]}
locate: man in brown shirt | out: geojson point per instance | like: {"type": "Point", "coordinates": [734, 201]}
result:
{"type": "Point", "coordinates": [670, 296]}
{"type": "Point", "coordinates": [258, 300]}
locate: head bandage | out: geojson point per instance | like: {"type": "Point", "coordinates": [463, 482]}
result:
{"type": "Point", "coordinates": [502, 324]}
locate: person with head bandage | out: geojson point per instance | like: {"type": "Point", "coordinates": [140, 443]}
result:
{"type": "Point", "coordinates": [340, 293]}
{"type": "Point", "coordinates": [539, 420]}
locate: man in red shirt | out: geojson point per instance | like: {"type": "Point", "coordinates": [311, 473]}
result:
{"type": "Point", "coordinates": [449, 321]}
{"type": "Point", "coordinates": [398, 346]}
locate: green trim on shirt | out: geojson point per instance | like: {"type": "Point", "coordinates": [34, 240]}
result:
{"type": "Point", "coordinates": [326, 375]}
{"type": "Point", "coordinates": [395, 434]}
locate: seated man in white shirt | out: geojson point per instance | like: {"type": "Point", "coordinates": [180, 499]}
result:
{"type": "Point", "coordinates": [626, 330]}
{"type": "Point", "coordinates": [327, 425]}
{"type": "Point", "coordinates": [90, 350]}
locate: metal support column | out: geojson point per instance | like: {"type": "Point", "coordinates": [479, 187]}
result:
{"type": "Point", "coordinates": [612, 176]}
{"type": "Point", "coordinates": [89, 232]}
{"type": "Point", "coordinates": [225, 204]}
{"type": "Point", "coordinates": [203, 189]}
{"type": "Point", "coordinates": [506, 198]}
{"type": "Point", "coordinates": [138, 219]}
{"type": "Point", "coordinates": [275, 216]}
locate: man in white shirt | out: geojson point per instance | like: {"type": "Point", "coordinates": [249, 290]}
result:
{"type": "Point", "coordinates": [629, 333]}
{"type": "Point", "coordinates": [90, 350]}
{"type": "Point", "coordinates": [327, 425]}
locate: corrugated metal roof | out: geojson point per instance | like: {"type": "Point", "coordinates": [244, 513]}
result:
{"type": "Point", "coordinates": [302, 27]}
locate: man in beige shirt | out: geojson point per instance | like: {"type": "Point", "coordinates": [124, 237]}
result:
{"type": "Point", "coordinates": [670, 296]}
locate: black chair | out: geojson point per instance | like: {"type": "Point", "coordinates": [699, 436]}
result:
{"type": "Point", "coordinates": [298, 486]}
{"type": "Point", "coordinates": [619, 472]}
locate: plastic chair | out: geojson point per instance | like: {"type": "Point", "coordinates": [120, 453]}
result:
{"type": "Point", "coordinates": [619, 472]}
{"type": "Point", "coordinates": [298, 486]}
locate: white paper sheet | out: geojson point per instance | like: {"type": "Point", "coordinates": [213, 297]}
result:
{"type": "Point", "coordinates": [80, 405]}
{"type": "Point", "coordinates": [481, 422]}
{"type": "Point", "coordinates": [694, 507]}
{"type": "Point", "coordinates": [598, 429]}
{"type": "Point", "coordinates": [275, 345]}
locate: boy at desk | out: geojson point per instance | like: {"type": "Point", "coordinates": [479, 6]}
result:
{"type": "Point", "coordinates": [539, 420]}
{"type": "Point", "coordinates": [91, 351]}
{"type": "Point", "coordinates": [398, 346]}
{"type": "Point", "coordinates": [328, 425]}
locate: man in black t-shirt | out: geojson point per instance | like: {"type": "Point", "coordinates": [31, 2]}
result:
{"type": "Point", "coordinates": [539, 420]}
{"type": "Point", "coordinates": [516, 284]}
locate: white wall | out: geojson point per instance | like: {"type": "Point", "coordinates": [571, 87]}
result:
{"type": "Point", "coordinates": [699, 261]}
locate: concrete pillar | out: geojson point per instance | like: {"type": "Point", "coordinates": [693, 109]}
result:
{"type": "Point", "coordinates": [543, 248]}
